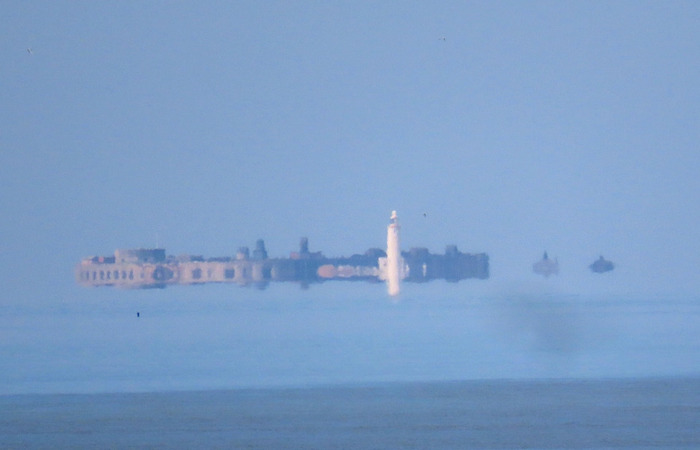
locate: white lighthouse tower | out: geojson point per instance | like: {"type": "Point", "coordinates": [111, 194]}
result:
{"type": "Point", "coordinates": [394, 262]}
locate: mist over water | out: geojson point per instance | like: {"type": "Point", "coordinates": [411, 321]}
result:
{"type": "Point", "coordinates": [510, 128]}
{"type": "Point", "coordinates": [217, 336]}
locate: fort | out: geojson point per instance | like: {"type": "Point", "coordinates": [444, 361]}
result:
{"type": "Point", "coordinates": [153, 268]}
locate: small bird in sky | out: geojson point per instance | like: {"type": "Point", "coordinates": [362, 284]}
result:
{"type": "Point", "coordinates": [442, 38]}
{"type": "Point", "coordinates": [29, 50]}
{"type": "Point", "coordinates": [425, 214]}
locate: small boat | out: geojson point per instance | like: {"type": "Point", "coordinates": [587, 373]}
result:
{"type": "Point", "coordinates": [602, 265]}
{"type": "Point", "coordinates": [546, 266]}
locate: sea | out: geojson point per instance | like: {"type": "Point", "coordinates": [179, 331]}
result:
{"type": "Point", "coordinates": [342, 365]}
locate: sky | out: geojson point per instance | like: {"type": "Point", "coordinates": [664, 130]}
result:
{"type": "Point", "coordinates": [516, 127]}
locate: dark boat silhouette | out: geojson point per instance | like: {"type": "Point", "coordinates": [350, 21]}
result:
{"type": "Point", "coordinates": [602, 265]}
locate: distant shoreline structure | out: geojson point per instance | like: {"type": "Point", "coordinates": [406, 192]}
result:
{"type": "Point", "coordinates": [153, 268]}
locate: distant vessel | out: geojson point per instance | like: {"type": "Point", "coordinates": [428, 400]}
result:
{"type": "Point", "coordinates": [546, 266]}
{"type": "Point", "coordinates": [602, 265]}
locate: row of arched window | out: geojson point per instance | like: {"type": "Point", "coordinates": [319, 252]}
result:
{"type": "Point", "coordinates": [109, 275]}
{"type": "Point", "coordinates": [106, 275]}
{"type": "Point", "coordinates": [228, 273]}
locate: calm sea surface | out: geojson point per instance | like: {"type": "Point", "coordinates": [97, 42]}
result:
{"type": "Point", "coordinates": [636, 413]}
{"type": "Point", "coordinates": [342, 366]}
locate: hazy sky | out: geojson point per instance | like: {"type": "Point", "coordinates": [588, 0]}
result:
{"type": "Point", "coordinates": [518, 127]}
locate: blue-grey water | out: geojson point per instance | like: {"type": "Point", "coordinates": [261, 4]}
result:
{"type": "Point", "coordinates": [341, 365]}
{"type": "Point", "coordinates": [649, 413]}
